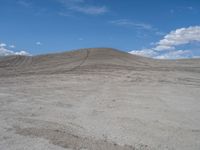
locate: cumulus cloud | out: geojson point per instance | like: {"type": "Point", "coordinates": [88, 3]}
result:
{"type": "Point", "coordinates": [82, 7]}
{"type": "Point", "coordinates": [166, 48]}
{"type": "Point", "coordinates": [179, 37]}
{"type": "Point", "coordinates": [6, 52]}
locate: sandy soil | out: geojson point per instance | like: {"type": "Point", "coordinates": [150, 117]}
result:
{"type": "Point", "coordinates": [99, 99]}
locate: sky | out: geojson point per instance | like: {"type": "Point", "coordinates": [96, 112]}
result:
{"type": "Point", "coordinates": [162, 29]}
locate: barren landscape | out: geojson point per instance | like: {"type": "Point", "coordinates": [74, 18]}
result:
{"type": "Point", "coordinates": [99, 99]}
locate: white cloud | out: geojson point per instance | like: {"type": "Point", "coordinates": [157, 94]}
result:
{"type": "Point", "coordinates": [179, 37]}
{"type": "Point", "coordinates": [175, 54]}
{"type": "Point", "coordinates": [144, 52]}
{"type": "Point", "coordinates": [12, 46]}
{"type": "Point", "coordinates": [38, 43]}
{"type": "Point", "coordinates": [3, 45]}
{"type": "Point", "coordinates": [92, 10]}
{"type": "Point", "coordinates": [22, 53]}
{"type": "Point", "coordinates": [6, 52]}
{"type": "Point", "coordinates": [166, 48]}
{"type": "Point", "coordinates": [82, 7]}
{"type": "Point", "coordinates": [126, 22]}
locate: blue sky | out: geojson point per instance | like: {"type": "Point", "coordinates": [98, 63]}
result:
{"type": "Point", "coordinates": [154, 28]}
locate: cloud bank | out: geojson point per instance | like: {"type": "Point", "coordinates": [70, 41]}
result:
{"type": "Point", "coordinates": [166, 47]}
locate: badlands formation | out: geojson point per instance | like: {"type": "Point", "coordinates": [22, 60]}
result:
{"type": "Point", "coordinates": [99, 99]}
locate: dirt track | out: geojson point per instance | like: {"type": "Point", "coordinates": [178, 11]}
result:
{"type": "Point", "coordinates": [99, 99]}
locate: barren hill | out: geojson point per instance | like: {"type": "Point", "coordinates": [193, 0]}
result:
{"type": "Point", "coordinates": [88, 60]}
{"type": "Point", "coordinates": [71, 61]}
{"type": "Point", "coordinates": [99, 99]}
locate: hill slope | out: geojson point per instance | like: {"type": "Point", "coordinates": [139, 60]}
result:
{"type": "Point", "coordinates": [88, 60]}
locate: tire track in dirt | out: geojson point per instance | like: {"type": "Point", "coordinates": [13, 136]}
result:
{"type": "Point", "coordinates": [84, 60]}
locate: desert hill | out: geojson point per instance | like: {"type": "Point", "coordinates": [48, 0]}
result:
{"type": "Point", "coordinates": [89, 60]}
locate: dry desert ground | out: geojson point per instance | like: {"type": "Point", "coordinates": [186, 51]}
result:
{"type": "Point", "coordinates": [99, 99]}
